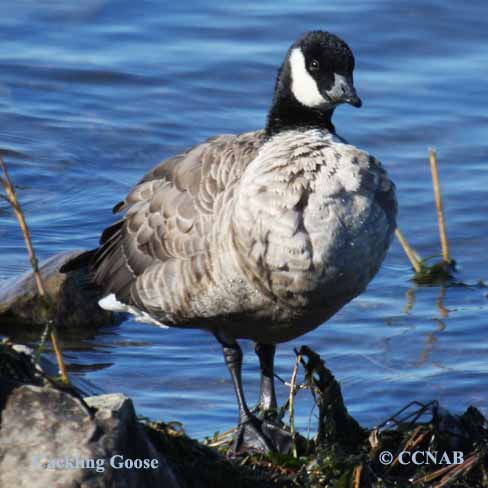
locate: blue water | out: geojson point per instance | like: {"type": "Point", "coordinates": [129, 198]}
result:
{"type": "Point", "coordinates": [94, 94]}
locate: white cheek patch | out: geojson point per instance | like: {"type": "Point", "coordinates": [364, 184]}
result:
{"type": "Point", "coordinates": [303, 86]}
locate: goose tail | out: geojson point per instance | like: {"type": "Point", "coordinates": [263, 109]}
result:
{"type": "Point", "coordinates": [83, 260]}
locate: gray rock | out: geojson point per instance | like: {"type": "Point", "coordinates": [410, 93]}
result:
{"type": "Point", "coordinates": [74, 302]}
{"type": "Point", "coordinates": [42, 426]}
{"type": "Point", "coordinates": [114, 402]}
{"type": "Point", "coordinates": [49, 436]}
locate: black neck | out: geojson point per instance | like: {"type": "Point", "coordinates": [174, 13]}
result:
{"type": "Point", "coordinates": [288, 113]}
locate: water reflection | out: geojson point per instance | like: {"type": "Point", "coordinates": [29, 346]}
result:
{"type": "Point", "coordinates": [444, 312]}
{"type": "Point", "coordinates": [431, 337]}
{"type": "Point", "coordinates": [75, 343]}
{"type": "Point", "coordinates": [410, 301]}
{"type": "Point", "coordinates": [430, 342]}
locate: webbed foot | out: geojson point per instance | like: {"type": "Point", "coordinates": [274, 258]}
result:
{"type": "Point", "coordinates": [262, 435]}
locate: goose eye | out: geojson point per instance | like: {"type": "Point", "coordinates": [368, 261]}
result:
{"type": "Point", "coordinates": [314, 65]}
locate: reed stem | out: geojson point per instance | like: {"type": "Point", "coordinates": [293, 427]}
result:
{"type": "Point", "coordinates": [12, 199]}
{"type": "Point", "coordinates": [411, 254]}
{"type": "Point", "coordinates": [438, 204]}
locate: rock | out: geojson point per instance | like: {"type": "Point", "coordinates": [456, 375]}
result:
{"type": "Point", "coordinates": [74, 301]}
{"type": "Point", "coordinates": [16, 368]}
{"type": "Point", "coordinates": [52, 437]}
{"type": "Point", "coordinates": [114, 402]}
{"type": "Point", "coordinates": [60, 442]}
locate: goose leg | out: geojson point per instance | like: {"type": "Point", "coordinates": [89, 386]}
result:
{"type": "Point", "coordinates": [267, 397]}
{"type": "Point", "coordinates": [253, 433]}
{"type": "Point", "coordinates": [249, 434]}
{"type": "Point", "coordinates": [267, 406]}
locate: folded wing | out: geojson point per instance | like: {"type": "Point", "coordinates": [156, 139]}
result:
{"type": "Point", "coordinates": [171, 211]}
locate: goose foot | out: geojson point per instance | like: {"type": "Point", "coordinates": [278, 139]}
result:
{"type": "Point", "coordinates": [261, 435]}
{"type": "Point", "coordinates": [270, 415]}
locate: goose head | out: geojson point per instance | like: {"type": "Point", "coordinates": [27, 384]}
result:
{"type": "Point", "coordinates": [315, 77]}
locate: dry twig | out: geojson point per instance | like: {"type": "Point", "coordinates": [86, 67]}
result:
{"type": "Point", "coordinates": [418, 435]}
{"type": "Point", "coordinates": [221, 439]}
{"type": "Point", "coordinates": [458, 470]}
{"type": "Point", "coordinates": [432, 476]}
{"type": "Point", "coordinates": [12, 199]}
{"type": "Point", "coordinates": [357, 475]}
{"type": "Point", "coordinates": [291, 402]}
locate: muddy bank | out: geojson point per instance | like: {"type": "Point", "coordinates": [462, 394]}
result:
{"type": "Point", "coordinates": [50, 435]}
{"type": "Point", "coordinates": [51, 432]}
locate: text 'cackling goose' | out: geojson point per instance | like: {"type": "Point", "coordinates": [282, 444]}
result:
{"type": "Point", "coordinates": [261, 236]}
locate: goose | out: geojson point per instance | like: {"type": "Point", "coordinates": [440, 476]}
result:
{"type": "Point", "coordinates": [261, 236]}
